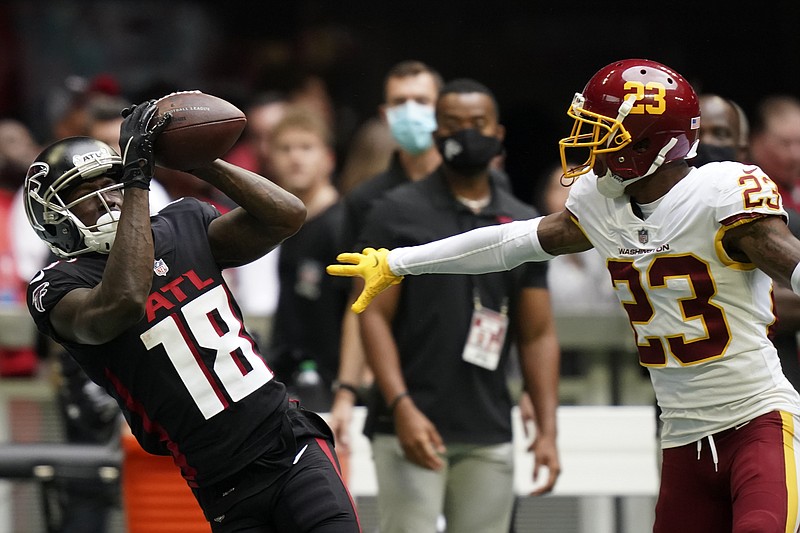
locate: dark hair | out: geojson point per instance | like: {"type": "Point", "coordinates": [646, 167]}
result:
{"type": "Point", "coordinates": [412, 67]}
{"type": "Point", "coordinates": [468, 85]}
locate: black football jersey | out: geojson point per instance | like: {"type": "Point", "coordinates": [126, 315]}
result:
{"type": "Point", "coordinates": [188, 377]}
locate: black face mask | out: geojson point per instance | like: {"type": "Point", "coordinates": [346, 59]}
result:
{"type": "Point", "coordinates": [708, 153]}
{"type": "Point", "coordinates": [468, 151]}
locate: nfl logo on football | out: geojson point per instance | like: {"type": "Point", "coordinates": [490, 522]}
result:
{"type": "Point", "coordinates": [643, 236]}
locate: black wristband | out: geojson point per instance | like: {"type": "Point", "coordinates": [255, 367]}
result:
{"type": "Point", "coordinates": [137, 185]}
{"type": "Point", "coordinates": [396, 400]}
{"type": "Point", "coordinates": [346, 386]}
{"type": "Point", "coordinates": [134, 177]}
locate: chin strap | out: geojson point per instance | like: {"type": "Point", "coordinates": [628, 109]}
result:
{"type": "Point", "coordinates": [102, 238]}
{"type": "Point", "coordinates": [661, 157]}
{"type": "Point", "coordinates": [612, 186]}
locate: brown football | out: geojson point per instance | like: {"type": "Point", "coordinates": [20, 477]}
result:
{"type": "Point", "coordinates": [203, 128]}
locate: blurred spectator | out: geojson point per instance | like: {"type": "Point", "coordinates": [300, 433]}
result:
{"type": "Point", "coordinates": [307, 325]}
{"type": "Point", "coordinates": [368, 154]}
{"type": "Point", "coordinates": [253, 150]}
{"type": "Point", "coordinates": [103, 118]}
{"type": "Point", "coordinates": [256, 284]}
{"type": "Point", "coordinates": [17, 150]}
{"type": "Point", "coordinates": [410, 90]}
{"type": "Point", "coordinates": [440, 414]}
{"type": "Point", "coordinates": [311, 92]}
{"type": "Point", "coordinates": [719, 131]}
{"type": "Point", "coordinates": [743, 143]}
{"type": "Point", "coordinates": [775, 144]}
{"type": "Point", "coordinates": [69, 107]}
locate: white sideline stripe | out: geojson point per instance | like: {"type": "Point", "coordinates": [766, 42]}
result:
{"type": "Point", "coordinates": [604, 451]}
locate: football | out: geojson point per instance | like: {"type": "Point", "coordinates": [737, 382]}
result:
{"type": "Point", "coordinates": [203, 128]}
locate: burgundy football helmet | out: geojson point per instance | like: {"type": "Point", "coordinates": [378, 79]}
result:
{"type": "Point", "coordinates": [642, 114]}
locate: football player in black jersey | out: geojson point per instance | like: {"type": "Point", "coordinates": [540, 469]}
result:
{"type": "Point", "coordinates": [140, 303]}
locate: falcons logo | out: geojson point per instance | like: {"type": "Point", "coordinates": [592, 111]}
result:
{"type": "Point", "coordinates": [38, 296]}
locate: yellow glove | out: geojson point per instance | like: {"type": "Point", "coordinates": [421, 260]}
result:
{"type": "Point", "coordinates": [372, 265]}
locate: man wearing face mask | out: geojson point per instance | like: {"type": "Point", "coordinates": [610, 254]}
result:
{"type": "Point", "coordinates": [439, 418]}
{"type": "Point", "coordinates": [719, 131]}
{"type": "Point", "coordinates": [411, 88]}
{"type": "Point", "coordinates": [410, 91]}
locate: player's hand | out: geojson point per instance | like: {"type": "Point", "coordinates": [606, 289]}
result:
{"type": "Point", "coordinates": [373, 267]}
{"type": "Point", "coordinates": [136, 139]}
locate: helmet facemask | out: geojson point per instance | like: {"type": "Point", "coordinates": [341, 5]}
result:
{"type": "Point", "coordinates": [51, 215]}
{"type": "Point", "coordinates": [605, 135]}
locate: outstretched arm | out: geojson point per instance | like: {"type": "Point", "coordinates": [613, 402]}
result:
{"type": "Point", "coordinates": [482, 250]}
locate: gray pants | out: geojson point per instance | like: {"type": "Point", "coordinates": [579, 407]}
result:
{"type": "Point", "coordinates": [474, 491]}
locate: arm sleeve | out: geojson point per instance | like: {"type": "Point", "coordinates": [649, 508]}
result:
{"type": "Point", "coordinates": [490, 249]}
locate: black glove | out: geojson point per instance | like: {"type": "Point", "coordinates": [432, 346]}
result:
{"type": "Point", "coordinates": [136, 139]}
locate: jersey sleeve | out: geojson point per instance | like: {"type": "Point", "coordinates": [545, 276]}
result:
{"type": "Point", "coordinates": [45, 290]}
{"type": "Point", "coordinates": [744, 192]}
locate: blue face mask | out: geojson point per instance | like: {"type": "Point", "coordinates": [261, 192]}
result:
{"type": "Point", "coordinates": [411, 125]}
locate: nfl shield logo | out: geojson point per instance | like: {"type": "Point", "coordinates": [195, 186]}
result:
{"type": "Point", "coordinates": [160, 267]}
{"type": "Point", "coordinates": [643, 236]}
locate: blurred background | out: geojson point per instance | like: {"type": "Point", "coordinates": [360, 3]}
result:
{"type": "Point", "coordinates": [533, 54]}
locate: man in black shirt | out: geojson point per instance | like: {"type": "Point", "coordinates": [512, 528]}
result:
{"type": "Point", "coordinates": [410, 90]}
{"type": "Point", "coordinates": [439, 347]}
{"type": "Point", "coordinates": [140, 303]}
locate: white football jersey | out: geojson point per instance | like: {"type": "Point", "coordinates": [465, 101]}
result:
{"type": "Point", "coordinates": [699, 317]}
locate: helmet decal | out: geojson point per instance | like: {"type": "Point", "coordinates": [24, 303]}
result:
{"type": "Point", "coordinates": [637, 115]}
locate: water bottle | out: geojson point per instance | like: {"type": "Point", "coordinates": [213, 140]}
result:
{"type": "Point", "coordinates": [307, 375]}
{"type": "Point", "coordinates": [310, 388]}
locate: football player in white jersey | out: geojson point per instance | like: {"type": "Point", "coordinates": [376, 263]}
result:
{"type": "Point", "coordinates": [692, 254]}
